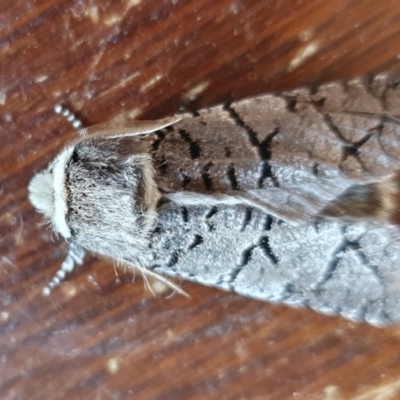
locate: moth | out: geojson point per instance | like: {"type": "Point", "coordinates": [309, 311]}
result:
{"type": "Point", "coordinates": [290, 197]}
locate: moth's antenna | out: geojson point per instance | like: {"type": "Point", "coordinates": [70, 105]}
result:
{"type": "Point", "coordinates": [69, 116]}
{"type": "Point", "coordinates": [74, 257]}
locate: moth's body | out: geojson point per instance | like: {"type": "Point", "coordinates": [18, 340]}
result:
{"type": "Point", "coordinates": [270, 197]}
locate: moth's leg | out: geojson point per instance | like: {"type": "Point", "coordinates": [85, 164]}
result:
{"type": "Point", "coordinates": [188, 199]}
{"type": "Point", "coordinates": [74, 256]}
{"type": "Point", "coordinates": [69, 116]}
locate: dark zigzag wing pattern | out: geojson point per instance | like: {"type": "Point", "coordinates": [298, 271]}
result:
{"type": "Point", "coordinates": [289, 145]}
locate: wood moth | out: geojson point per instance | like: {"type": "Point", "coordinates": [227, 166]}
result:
{"type": "Point", "coordinates": [290, 197]}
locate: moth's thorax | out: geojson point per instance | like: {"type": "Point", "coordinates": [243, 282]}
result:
{"type": "Point", "coordinates": [96, 188]}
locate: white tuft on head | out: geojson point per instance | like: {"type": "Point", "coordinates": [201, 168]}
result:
{"type": "Point", "coordinates": [41, 193]}
{"type": "Point", "coordinates": [48, 194]}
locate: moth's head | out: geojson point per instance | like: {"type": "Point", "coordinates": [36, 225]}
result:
{"type": "Point", "coordinates": [47, 192]}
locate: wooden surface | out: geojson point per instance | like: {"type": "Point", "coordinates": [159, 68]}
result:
{"type": "Point", "coordinates": [103, 337]}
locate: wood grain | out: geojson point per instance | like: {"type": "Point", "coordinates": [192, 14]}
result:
{"type": "Point", "coordinates": [103, 337]}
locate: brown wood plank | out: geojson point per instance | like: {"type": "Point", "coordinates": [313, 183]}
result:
{"type": "Point", "coordinates": [103, 337]}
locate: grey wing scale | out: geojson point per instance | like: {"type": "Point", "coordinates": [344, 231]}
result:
{"type": "Point", "coordinates": [299, 151]}
{"type": "Point", "coordinates": [350, 270]}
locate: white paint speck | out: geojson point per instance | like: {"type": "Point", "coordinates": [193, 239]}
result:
{"type": "Point", "coordinates": [112, 19]}
{"type": "Point", "coordinates": [76, 43]}
{"type": "Point", "coordinates": [134, 113]}
{"type": "Point", "coordinates": [88, 94]}
{"type": "Point", "coordinates": [151, 82]}
{"type": "Point", "coordinates": [112, 366]}
{"type": "Point", "coordinates": [93, 13]}
{"type": "Point", "coordinates": [93, 281]}
{"type": "Point", "coordinates": [159, 287]}
{"type": "Point", "coordinates": [241, 350]}
{"type": "Point", "coordinates": [41, 78]}
{"type": "Point", "coordinates": [234, 8]}
{"type": "Point", "coordinates": [331, 392]}
{"type": "Point", "coordinates": [304, 53]}
{"type": "Point", "coordinates": [3, 97]}
{"type": "Point", "coordinates": [69, 289]}
{"type": "Point", "coordinates": [192, 93]}
{"type": "Point", "coordinates": [4, 315]}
